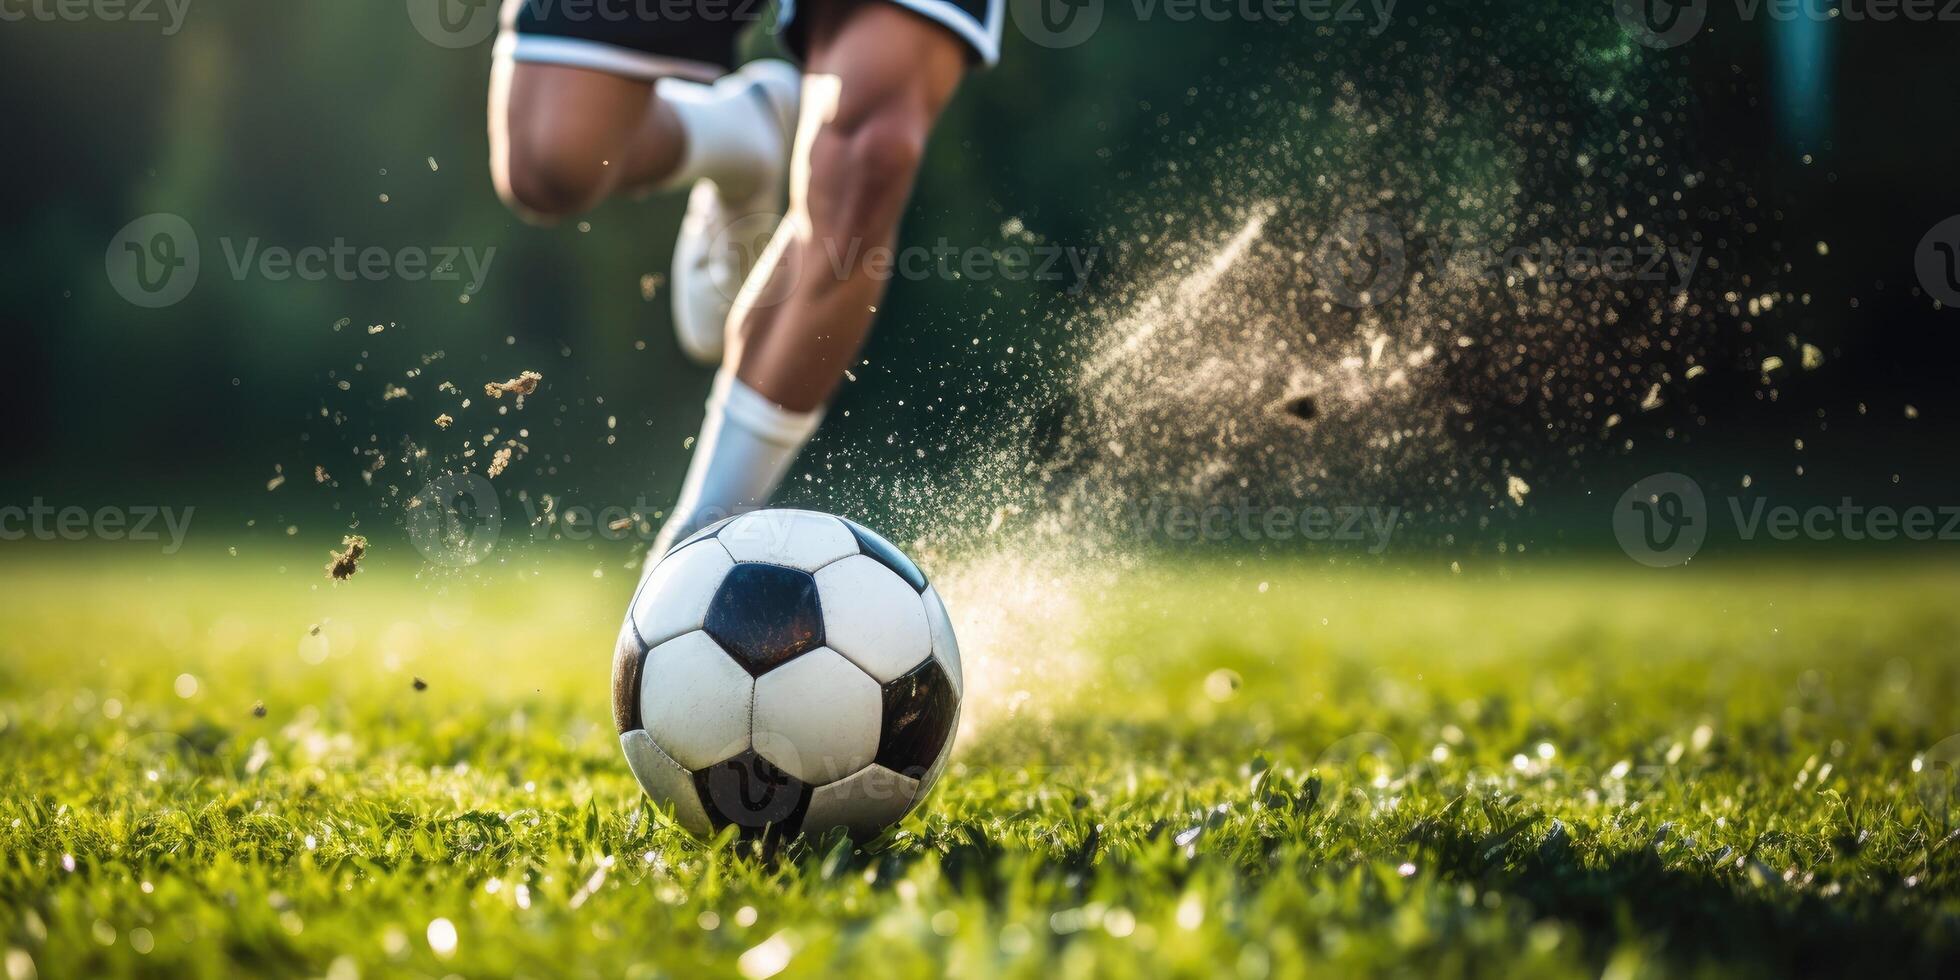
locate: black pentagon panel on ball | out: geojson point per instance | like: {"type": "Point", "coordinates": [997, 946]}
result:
{"type": "Point", "coordinates": [754, 795]}
{"type": "Point", "coordinates": [629, 660]}
{"type": "Point", "coordinates": [919, 710]}
{"type": "Point", "coordinates": [701, 535]}
{"type": "Point", "coordinates": [766, 616]}
{"type": "Point", "coordinates": [874, 546]}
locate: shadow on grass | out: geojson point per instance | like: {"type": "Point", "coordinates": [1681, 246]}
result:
{"type": "Point", "coordinates": [1707, 913]}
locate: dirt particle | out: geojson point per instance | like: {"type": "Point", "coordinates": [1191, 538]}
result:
{"type": "Point", "coordinates": [525, 383]}
{"type": "Point", "coordinates": [345, 563]}
{"type": "Point", "coordinates": [1302, 408]}
{"type": "Point", "coordinates": [1516, 489]}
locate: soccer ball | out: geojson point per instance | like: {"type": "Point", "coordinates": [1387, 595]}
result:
{"type": "Point", "coordinates": [786, 672]}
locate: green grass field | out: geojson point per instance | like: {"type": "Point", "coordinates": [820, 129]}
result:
{"type": "Point", "coordinates": [1239, 769]}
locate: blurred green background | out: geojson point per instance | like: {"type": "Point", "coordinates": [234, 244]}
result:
{"type": "Point", "coordinates": [303, 124]}
{"type": "Point", "coordinates": [190, 721]}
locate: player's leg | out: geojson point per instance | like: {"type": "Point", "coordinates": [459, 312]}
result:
{"type": "Point", "coordinates": [575, 111]}
{"type": "Point", "coordinates": [876, 78]}
{"type": "Point", "coordinates": [584, 107]}
{"type": "Point", "coordinates": [562, 139]}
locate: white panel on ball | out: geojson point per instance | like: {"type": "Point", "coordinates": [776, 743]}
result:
{"type": "Point", "coordinates": [695, 701]}
{"type": "Point", "coordinates": [665, 781]}
{"type": "Point", "coordinates": [817, 717]}
{"type": "Point", "coordinates": [674, 599]}
{"type": "Point", "coordinates": [864, 803]}
{"type": "Point", "coordinates": [873, 617]}
{"type": "Point", "coordinates": [945, 646]}
{"type": "Point", "coordinates": [796, 538]}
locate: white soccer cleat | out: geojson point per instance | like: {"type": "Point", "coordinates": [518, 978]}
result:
{"type": "Point", "coordinates": [721, 237]}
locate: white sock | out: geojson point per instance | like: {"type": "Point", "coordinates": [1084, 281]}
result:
{"type": "Point", "coordinates": [733, 137]}
{"type": "Point", "coordinates": [746, 446]}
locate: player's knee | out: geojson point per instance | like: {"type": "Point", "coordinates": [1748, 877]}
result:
{"type": "Point", "coordinates": [549, 182]}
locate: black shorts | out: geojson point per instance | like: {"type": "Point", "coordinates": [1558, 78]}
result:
{"type": "Point", "coordinates": [693, 38]}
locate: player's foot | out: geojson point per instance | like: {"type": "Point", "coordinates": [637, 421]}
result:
{"type": "Point", "coordinates": [726, 227]}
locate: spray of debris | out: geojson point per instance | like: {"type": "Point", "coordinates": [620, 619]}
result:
{"type": "Point", "coordinates": [1428, 284]}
